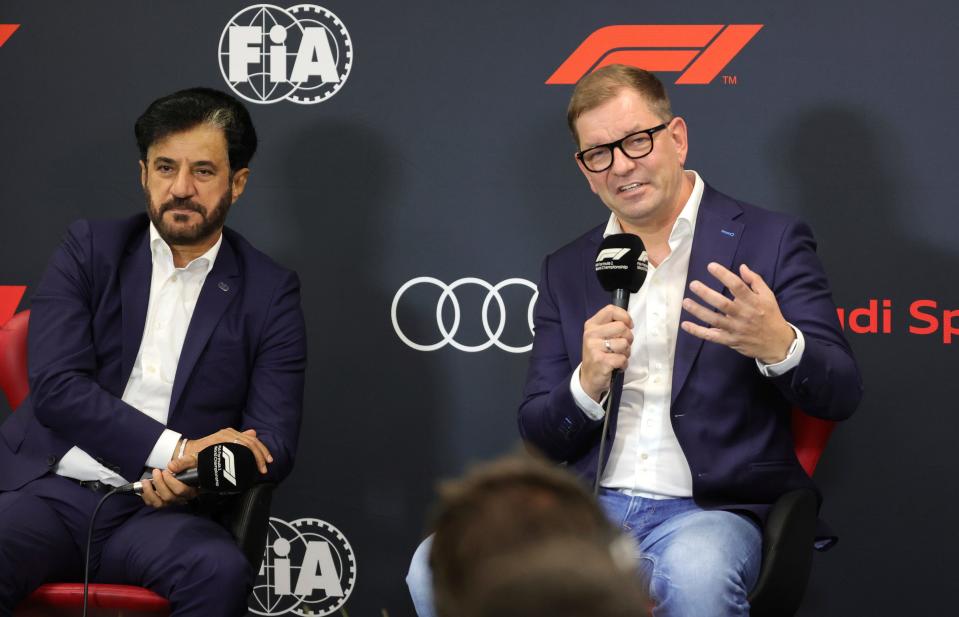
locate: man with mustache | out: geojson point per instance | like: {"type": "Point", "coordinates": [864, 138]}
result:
{"type": "Point", "coordinates": [152, 338]}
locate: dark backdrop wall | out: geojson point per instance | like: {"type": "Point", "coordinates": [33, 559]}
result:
{"type": "Point", "coordinates": [445, 154]}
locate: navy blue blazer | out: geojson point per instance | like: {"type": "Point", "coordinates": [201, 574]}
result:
{"type": "Point", "coordinates": [733, 424]}
{"type": "Point", "coordinates": [242, 363]}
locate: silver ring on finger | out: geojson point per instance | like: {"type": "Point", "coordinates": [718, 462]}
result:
{"type": "Point", "coordinates": [609, 348]}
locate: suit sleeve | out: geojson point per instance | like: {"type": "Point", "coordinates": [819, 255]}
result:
{"type": "Point", "coordinates": [548, 417]}
{"type": "Point", "coordinates": [63, 365]}
{"type": "Point", "coordinates": [826, 383]}
{"type": "Point", "coordinates": [275, 396]}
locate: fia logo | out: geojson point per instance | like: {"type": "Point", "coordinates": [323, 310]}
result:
{"type": "Point", "coordinates": [308, 569]}
{"type": "Point", "coordinates": [301, 54]}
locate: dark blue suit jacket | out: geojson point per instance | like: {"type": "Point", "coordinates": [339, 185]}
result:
{"type": "Point", "coordinates": [242, 363]}
{"type": "Point", "coordinates": [732, 423]}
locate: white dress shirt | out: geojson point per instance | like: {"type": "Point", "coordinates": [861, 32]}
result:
{"type": "Point", "coordinates": [173, 295]}
{"type": "Point", "coordinates": [646, 458]}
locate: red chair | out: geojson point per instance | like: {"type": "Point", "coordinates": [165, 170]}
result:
{"type": "Point", "coordinates": [790, 530]}
{"type": "Point", "coordinates": [246, 515]}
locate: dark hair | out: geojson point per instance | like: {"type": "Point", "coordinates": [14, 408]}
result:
{"type": "Point", "coordinates": [186, 109]}
{"type": "Point", "coordinates": [605, 83]}
{"type": "Point", "coordinates": [563, 577]}
{"type": "Point", "coordinates": [501, 507]}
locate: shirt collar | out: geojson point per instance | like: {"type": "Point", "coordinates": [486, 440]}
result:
{"type": "Point", "coordinates": [685, 223]}
{"type": "Point", "coordinates": [162, 254]}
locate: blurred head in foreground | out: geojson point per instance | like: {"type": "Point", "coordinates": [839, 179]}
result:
{"type": "Point", "coordinates": [564, 577]}
{"type": "Point", "coordinates": [509, 510]}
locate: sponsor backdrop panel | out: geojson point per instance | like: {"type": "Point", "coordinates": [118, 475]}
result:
{"type": "Point", "coordinates": [415, 168]}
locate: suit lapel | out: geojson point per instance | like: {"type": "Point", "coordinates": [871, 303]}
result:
{"type": "Point", "coordinates": [136, 271]}
{"type": "Point", "coordinates": [716, 239]}
{"type": "Point", "coordinates": [594, 296]}
{"type": "Point", "coordinates": [222, 285]}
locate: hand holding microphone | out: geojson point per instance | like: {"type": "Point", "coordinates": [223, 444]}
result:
{"type": "Point", "coordinates": [223, 468]}
{"type": "Point", "coordinates": [621, 265]}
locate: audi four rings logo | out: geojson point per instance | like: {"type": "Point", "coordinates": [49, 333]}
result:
{"type": "Point", "coordinates": [302, 54]}
{"type": "Point", "coordinates": [448, 335]}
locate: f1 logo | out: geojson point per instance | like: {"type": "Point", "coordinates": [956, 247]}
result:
{"type": "Point", "coordinates": [229, 466]}
{"type": "Point", "coordinates": [6, 31]}
{"type": "Point", "coordinates": [700, 52]}
{"type": "Point", "coordinates": [611, 254]}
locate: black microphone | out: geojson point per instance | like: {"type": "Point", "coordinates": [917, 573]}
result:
{"type": "Point", "coordinates": [621, 266]}
{"type": "Point", "coordinates": [223, 468]}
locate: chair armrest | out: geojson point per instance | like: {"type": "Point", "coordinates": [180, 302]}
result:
{"type": "Point", "coordinates": [247, 517]}
{"type": "Point", "coordinates": [788, 538]}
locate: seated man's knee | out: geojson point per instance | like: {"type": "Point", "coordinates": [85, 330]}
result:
{"type": "Point", "coordinates": [220, 564]}
{"type": "Point", "coordinates": [718, 556]}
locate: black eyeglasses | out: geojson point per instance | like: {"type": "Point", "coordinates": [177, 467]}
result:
{"type": "Point", "coordinates": [635, 146]}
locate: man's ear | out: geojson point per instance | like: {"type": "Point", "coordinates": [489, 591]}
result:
{"type": "Point", "coordinates": [680, 137]}
{"type": "Point", "coordinates": [143, 173]}
{"type": "Point", "coordinates": [240, 177]}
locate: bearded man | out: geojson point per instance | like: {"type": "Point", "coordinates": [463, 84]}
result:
{"type": "Point", "coordinates": [152, 338]}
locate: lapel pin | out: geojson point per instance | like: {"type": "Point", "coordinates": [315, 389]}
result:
{"type": "Point", "coordinates": [731, 234]}
{"type": "Point", "coordinates": [223, 286]}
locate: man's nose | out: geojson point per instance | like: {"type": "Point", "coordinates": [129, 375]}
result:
{"type": "Point", "coordinates": [183, 184]}
{"type": "Point", "coordinates": [622, 164]}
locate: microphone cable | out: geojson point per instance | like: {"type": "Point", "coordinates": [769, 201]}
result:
{"type": "Point", "coordinates": [86, 559]}
{"type": "Point", "coordinates": [615, 389]}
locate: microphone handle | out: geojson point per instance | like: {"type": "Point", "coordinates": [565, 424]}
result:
{"type": "Point", "coordinates": [190, 477]}
{"type": "Point", "coordinates": [621, 298]}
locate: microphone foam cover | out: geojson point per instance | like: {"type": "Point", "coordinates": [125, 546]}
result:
{"type": "Point", "coordinates": [622, 263]}
{"type": "Point", "coordinates": [226, 468]}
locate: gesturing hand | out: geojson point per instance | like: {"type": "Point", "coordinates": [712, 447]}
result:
{"type": "Point", "coordinates": [750, 322]}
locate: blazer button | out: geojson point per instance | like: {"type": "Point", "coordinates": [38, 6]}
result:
{"type": "Point", "coordinates": [51, 461]}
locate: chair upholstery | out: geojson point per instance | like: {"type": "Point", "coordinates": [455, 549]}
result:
{"type": "Point", "coordinates": [791, 530]}
{"type": "Point", "coordinates": [13, 359]}
{"type": "Point", "coordinates": [246, 515]}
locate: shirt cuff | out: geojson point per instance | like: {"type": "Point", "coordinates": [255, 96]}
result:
{"type": "Point", "coordinates": [164, 450]}
{"type": "Point", "coordinates": [791, 360]}
{"type": "Point", "coordinates": [588, 406]}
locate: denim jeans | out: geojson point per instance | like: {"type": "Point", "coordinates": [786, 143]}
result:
{"type": "Point", "coordinates": [697, 563]}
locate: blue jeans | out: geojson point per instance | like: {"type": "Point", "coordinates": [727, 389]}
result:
{"type": "Point", "coordinates": [696, 562]}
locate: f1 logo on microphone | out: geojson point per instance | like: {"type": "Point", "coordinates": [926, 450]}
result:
{"type": "Point", "coordinates": [611, 254]}
{"type": "Point", "coordinates": [229, 466]}
{"type": "Point", "coordinates": [700, 52]}
{"type": "Point", "coordinates": [6, 31]}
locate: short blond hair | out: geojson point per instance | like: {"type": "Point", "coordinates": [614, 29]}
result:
{"type": "Point", "coordinates": [605, 83]}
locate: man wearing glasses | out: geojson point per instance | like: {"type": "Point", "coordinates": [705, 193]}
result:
{"type": "Point", "coordinates": [701, 444]}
